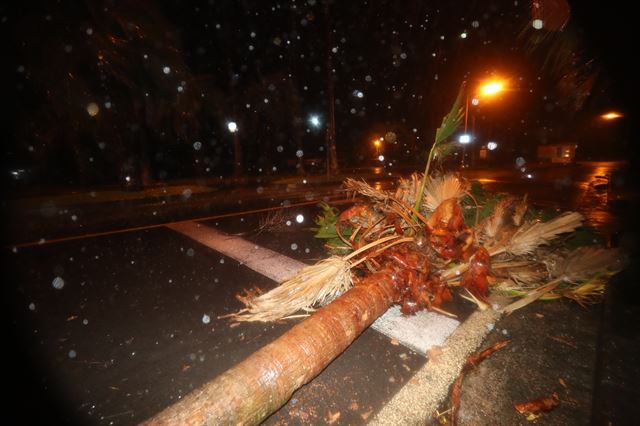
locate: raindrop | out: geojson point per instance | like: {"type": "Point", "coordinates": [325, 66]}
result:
{"type": "Point", "coordinates": [72, 354]}
{"type": "Point", "coordinates": [58, 283]}
{"type": "Point", "coordinates": [537, 24]}
{"type": "Point", "coordinates": [85, 321]}
{"type": "Point", "coordinates": [186, 194]}
{"type": "Point", "coordinates": [190, 252]}
{"type": "Point", "coordinates": [206, 319]}
{"type": "Point", "coordinates": [299, 218]}
{"type": "Point", "coordinates": [166, 70]}
{"type": "Point", "coordinates": [197, 145]}
{"type": "Point", "coordinates": [520, 161]}
{"type": "Point", "coordinates": [74, 217]}
{"type": "Point", "coordinates": [279, 148]}
{"type": "Point", "coordinates": [299, 153]}
{"type": "Point", "coordinates": [294, 246]}
{"type": "Point", "coordinates": [32, 306]}
{"type": "Point", "coordinates": [93, 109]}
{"type": "Point", "coordinates": [222, 260]}
{"type": "Point", "coordinates": [259, 190]}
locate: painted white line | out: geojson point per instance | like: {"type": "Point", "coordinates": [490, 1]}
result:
{"type": "Point", "coordinates": [267, 262]}
{"type": "Point", "coordinates": [418, 332]}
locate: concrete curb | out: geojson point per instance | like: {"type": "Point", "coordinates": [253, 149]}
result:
{"type": "Point", "coordinates": [418, 400]}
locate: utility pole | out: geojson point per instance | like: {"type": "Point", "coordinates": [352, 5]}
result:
{"type": "Point", "coordinates": [332, 158]}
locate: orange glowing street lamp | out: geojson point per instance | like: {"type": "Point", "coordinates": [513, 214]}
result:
{"type": "Point", "coordinates": [488, 89]}
{"type": "Point", "coordinates": [377, 143]}
{"type": "Point", "coordinates": [612, 115]}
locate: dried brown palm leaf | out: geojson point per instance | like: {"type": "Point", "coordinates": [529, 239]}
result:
{"type": "Point", "coordinates": [531, 235]}
{"type": "Point", "coordinates": [407, 190]}
{"type": "Point", "coordinates": [311, 287]}
{"type": "Point", "coordinates": [588, 293]}
{"type": "Point", "coordinates": [583, 264]}
{"type": "Point", "coordinates": [442, 188]}
{"type": "Point", "coordinates": [363, 188]}
{"type": "Point", "coordinates": [492, 224]}
{"type": "Point", "coordinates": [519, 211]}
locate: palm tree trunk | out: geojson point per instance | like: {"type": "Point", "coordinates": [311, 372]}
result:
{"type": "Point", "coordinates": [262, 383]}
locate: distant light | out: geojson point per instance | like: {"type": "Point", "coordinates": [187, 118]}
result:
{"type": "Point", "coordinates": [314, 120]}
{"type": "Point", "coordinates": [127, 178]}
{"type": "Point", "coordinates": [465, 139]}
{"type": "Point", "coordinates": [93, 109]}
{"type": "Point", "coordinates": [232, 126]}
{"type": "Point", "coordinates": [529, 176]}
{"type": "Point", "coordinates": [492, 88]}
{"type": "Point", "coordinates": [611, 115]}
{"type": "Point", "coordinates": [491, 145]}
{"type": "Point", "coordinates": [537, 24]}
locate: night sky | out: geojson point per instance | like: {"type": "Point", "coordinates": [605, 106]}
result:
{"type": "Point", "coordinates": [105, 89]}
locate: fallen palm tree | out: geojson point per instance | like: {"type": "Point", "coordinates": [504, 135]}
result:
{"type": "Point", "coordinates": [416, 247]}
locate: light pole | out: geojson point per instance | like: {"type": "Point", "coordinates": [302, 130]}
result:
{"type": "Point", "coordinates": [487, 90]}
{"type": "Point", "coordinates": [377, 143]}
{"type": "Point", "coordinates": [237, 151]}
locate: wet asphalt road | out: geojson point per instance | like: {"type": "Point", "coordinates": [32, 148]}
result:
{"type": "Point", "coordinates": [134, 326]}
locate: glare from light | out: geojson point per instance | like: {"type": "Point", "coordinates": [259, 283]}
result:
{"type": "Point", "coordinates": [376, 143]}
{"type": "Point", "coordinates": [232, 126]}
{"type": "Point", "coordinates": [465, 139]}
{"type": "Point", "coordinates": [491, 145]}
{"type": "Point", "coordinates": [492, 88]}
{"type": "Point", "coordinates": [314, 120]}
{"type": "Point", "coordinates": [611, 115]}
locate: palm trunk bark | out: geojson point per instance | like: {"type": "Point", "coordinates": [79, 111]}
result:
{"type": "Point", "coordinates": [262, 383]}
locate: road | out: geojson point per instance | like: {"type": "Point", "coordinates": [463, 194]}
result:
{"type": "Point", "coordinates": [115, 316]}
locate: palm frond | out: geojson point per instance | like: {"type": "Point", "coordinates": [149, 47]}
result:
{"type": "Point", "coordinates": [442, 188]}
{"type": "Point", "coordinates": [452, 120]}
{"type": "Point", "coordinates": [582, 264]}
{"type": "Point", "coordinates": [313, 286]}
{"type": "Point", "coordinates": [528, 237]}
{"type": "Point", "coordinates": [363, 188]}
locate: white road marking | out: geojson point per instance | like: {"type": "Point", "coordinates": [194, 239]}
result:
{"type": "Point", "coordinates": [264, 261]}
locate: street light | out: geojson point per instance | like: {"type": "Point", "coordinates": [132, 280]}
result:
{"type": "Point", "coordinates": [378, 143]}
{"type": "Point", "coordinates": [237, 167]}
{"type": "Point", "coordinates": [314, 120]}
{"type": "Point", "coordinates": [488, 89]}
{"type": "Point", "coordinates": [611, 115]}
